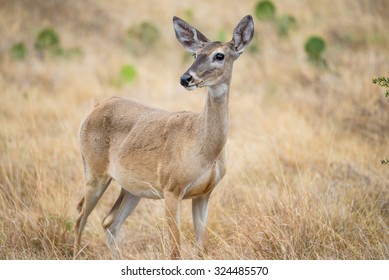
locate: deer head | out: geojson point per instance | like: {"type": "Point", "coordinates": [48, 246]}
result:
{"type": "Point", "coordinates": [213, 60]}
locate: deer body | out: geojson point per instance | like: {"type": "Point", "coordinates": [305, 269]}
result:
{"type": "Point", "coordinates": [156, 154]}
{"type": "Point", "coordinates": [172, 150]}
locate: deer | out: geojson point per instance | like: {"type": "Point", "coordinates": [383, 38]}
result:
{"type": "Point", "coordinates": [156, 154]}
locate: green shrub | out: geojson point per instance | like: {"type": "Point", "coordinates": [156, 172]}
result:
{"type": "Point", "coordinates": [285, 24]}
{"type": "Point", "coordinates": [47, 41]}
{"type": "Point", "coordinates": [314, 47]}
{"type": "Point", "coordinates": [19, 51]}
{"type": "Point", "coordinates": [128, 73]}
{"type": "Point", "coordinates": [145, 32]}
{"type": "Point", "coordinates": [383, 82]}
{"type": "Point", "coordinates": [265, 10]}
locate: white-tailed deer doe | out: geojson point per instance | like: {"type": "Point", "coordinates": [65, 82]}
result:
{"type": "Point", "coordinates": [156, 154]}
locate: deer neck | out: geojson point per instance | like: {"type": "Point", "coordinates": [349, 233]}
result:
{"type": "Point", "coordinates": [215, 119]}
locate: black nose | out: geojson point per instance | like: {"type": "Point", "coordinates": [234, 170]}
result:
{"type": "Point", "coordinates": [185, 80]}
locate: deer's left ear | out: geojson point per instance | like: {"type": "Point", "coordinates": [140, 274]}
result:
{"type": "Point", "coordinates": [243, 33]}
{"type": "Point", "coordinates": [188, 36]}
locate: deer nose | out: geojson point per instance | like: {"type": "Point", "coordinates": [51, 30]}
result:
{"type": "Point", "coordinates": [185, 80]}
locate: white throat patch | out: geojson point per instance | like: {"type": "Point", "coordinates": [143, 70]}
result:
{"type": "Point", "coordinates": [218, 90]}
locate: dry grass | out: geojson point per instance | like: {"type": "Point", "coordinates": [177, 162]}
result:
{"type": "Point", "coordinates": [304, 178]}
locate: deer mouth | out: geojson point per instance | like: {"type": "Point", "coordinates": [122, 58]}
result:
{"type": "Point", "coordinates": [194, 86]}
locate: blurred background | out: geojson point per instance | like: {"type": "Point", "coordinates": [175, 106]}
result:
{"type": "Point", "coordinates": [306, 175]}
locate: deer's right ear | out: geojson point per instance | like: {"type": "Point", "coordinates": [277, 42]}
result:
{"type": "Point", "coordinates": [188, 36]}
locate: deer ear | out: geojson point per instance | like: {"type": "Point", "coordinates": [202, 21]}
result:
{"type": "Point", "coordinates": [188, 36]}
{"type": "Point", "coordinates": [243, 33]}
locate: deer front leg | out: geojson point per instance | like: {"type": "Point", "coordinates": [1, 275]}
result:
{"type": "Point", "coordinates": [172, 204]}
{"type": "Point", "coordinates": [200, 214]}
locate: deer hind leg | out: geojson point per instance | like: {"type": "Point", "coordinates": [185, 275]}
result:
{"type": "Point", "coordinates": [123, 207]}
{"type": "Point", "coordinates": [95, 188]}
{"type": "Point", "coordinates": [200, 214]}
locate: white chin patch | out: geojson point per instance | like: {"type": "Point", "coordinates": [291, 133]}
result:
{"type": "Point", "coordinates": [191, 87]}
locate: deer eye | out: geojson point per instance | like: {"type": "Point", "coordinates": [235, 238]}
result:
{"type": "Point", "coordinates": [219, 56]}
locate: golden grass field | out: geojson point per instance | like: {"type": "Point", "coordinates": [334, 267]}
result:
{"type": "Point", "coordinates": [304, 177]}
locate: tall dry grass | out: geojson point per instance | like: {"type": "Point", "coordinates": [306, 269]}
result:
{"type": "Point", "coordinates": [304, 178]}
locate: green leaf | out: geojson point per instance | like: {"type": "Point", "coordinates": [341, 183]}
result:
{"type": "Point", "coordinates": [382, 81]}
